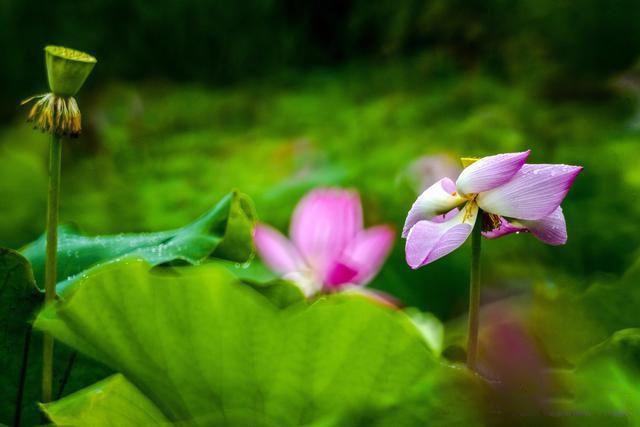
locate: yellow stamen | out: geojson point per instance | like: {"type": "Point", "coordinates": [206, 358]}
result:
{"type": "Point", "coordinates": [468, 210]}
{"type": "Point", "coordinates": [495, 221]}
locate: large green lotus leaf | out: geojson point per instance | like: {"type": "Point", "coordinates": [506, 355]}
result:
{"type": "Point", "coordinates": [447, 398]}
{"type": "Point", "coordinates": [223, 232]}
{"type": "Point", "coordinates": [113, 401]}
{"type": "Point", "coordinates": [281, 293]}
{"type": "Point", "coordinates": [207, 350]}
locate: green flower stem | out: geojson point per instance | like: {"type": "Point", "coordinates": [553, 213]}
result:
{"type": "Point", "coordinates": [474, 293]}
{"type": "Point", "coordinates": [55, 157]}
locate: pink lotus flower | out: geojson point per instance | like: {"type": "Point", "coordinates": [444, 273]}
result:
{"type": "Point", "coordinates": [514, 197]}
{"type": "Point", "coordinates": [426, 170]}
{"type": "Point", "coordinates": [329, 249]}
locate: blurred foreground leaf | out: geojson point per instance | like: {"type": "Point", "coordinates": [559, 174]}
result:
{"type": "Point", "coordinates": [606, 382]}
{"type": "Point", "coordinates": [445, 399]}
{"type": "Point", "coordinates": [430, 327]}
{"type": "Point", "coordinates": [207, 350]}
{"type": "Point", "coordinates": [570, 322]}
{"type": "Point", "coordinates": [114, 399]}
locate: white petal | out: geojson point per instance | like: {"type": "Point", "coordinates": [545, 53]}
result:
{"type": "Point", "coordinates": [438, 199]}
{"type": "Point", "coordinates": [428, 241]}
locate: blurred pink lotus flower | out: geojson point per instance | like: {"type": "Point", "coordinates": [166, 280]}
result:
{"type": "Point", "coordinates": [521, 376]}
{"type": "Point", "coordinates": [329, 248]}
{"type": "Point", "coordinates": [514, 197]}
{"type": "Point", "coordinates": [426, 170]}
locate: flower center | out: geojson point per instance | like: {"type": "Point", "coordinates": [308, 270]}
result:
{"type": "Point", "coordinates": [469, 208]}
{"type": "Point", "coordinates": [490, 222]}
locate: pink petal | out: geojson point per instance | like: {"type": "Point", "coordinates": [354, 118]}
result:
{"type": "Point", "coordinates": [436, 200]}
{"type": "Point", "coordinates": [428, 241]}
{"type": "Point", "coordinates": [367, 252]}
{"type": "Point", "coordinates": [490, 172]}
{"type": "Point", "coordinates": [324, 222]}
{"type": "Point", "coordinates": [505, 228]}
{"type": "Point", "coordinates": [427, 170]}
{"type": "Point", "coordinates": [534, 192]}
{"type": "Point", "coordinates": [339, 274]}
{"type": "Point", "coordinates": [551, 229]}
{"type": "Point", "coordinates": [276, 251]}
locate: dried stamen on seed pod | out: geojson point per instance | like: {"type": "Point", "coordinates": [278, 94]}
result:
{"type": "Point", "coordinates": [55, 114]}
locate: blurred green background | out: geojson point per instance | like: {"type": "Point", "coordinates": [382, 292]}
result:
{"type": "Point", "coordinates": [190, 99]}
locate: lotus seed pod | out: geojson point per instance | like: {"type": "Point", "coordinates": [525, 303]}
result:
{"type": "Point", "coordinates": [67, 69]}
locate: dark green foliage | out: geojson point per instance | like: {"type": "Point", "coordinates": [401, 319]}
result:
{"type": "Point", "coordinates": [18, 299]}
{"type": "Point", "coordinates": [566, 47]}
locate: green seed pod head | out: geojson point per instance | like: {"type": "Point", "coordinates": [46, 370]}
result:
{"type": "Point", "coordinates": [67, 69]}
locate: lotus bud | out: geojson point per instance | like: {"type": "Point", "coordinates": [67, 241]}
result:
{"type": "Point", "coordinates": [57, 112]}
